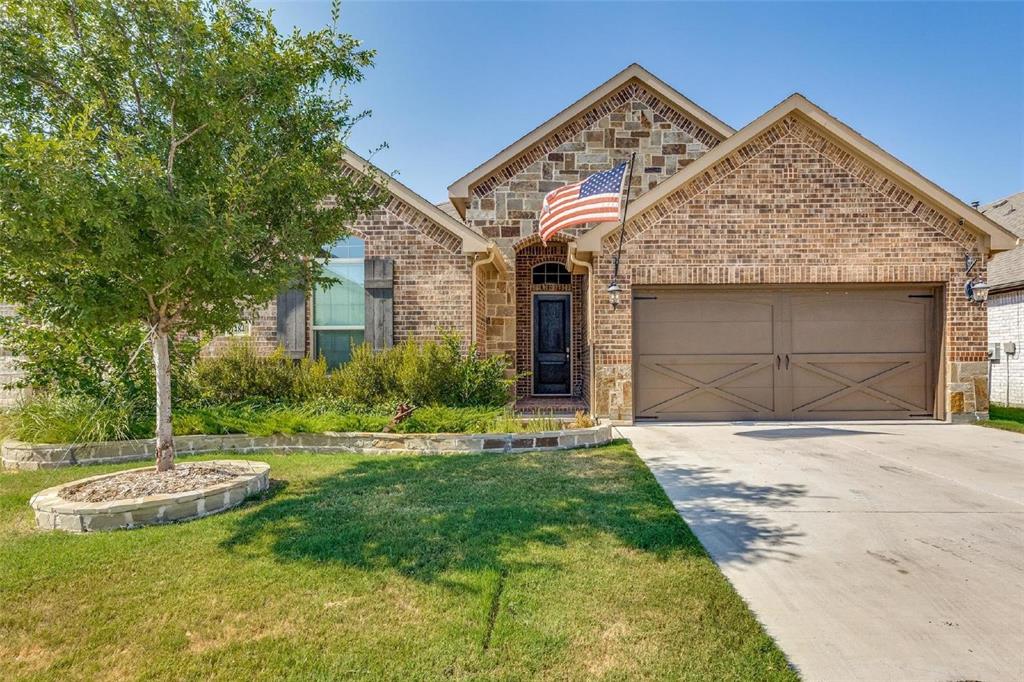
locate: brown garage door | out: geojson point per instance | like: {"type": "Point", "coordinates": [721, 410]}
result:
{"type": "Point", "coordinates": [778, 354]}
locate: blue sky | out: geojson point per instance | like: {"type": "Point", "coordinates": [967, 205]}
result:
{"type": "Point", "coordinates": [939, 85]}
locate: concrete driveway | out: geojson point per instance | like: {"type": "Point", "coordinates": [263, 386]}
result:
{"type": "Point", "coordinates": [869, 551]}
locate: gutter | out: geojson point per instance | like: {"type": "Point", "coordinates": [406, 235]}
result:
{"type": "Point", "coordinates": [572, 261]}
{"type": "Point", "coordinates": [494, 258]}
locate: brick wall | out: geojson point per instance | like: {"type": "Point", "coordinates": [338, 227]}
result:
{"type": "Point", "coordinates": [1006, 323]}
{"type": "Point", "coordinates": [8, 369]}
{"type": "Point", "coordinates": [261, 330]}
{"type": "Point", "coordinates": [791, 207]}
{"type": "Point", "coordinates": [527, 257]}
{"type": "Point", "coordinates": [433, 278]}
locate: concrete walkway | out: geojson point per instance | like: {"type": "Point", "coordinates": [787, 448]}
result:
{"type": "Point", "coordinates": [869, 551]}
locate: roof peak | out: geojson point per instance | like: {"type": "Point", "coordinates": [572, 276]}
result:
{"type": "Point", "coordinates": [459, 190]}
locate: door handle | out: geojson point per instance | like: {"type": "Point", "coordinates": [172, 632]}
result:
{"type": "Point", "coordinates": [787, 360]}
{"type": "Point", "coordinates": [778, 362]}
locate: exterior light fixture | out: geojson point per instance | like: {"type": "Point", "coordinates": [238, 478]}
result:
{"type": "Point", "coordinates": [977, 292]}
{"type": "Point", "coordinates": [614, 293]}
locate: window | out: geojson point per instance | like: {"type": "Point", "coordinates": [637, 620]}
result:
{"type": "Point", "coordinates": [339, 308]}
{"type": "Point", "coordinates": [550, 273]}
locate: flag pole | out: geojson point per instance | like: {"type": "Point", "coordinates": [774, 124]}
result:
{"type": "Point", "coordinates": [613, 288]}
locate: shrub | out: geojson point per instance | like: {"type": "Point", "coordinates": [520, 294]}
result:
{"type": "Point", "coordinates": [424, 374]}
{"type": "Point", "coordinates": [370, 377]}
{"type": "Point", "coordinates": [238, 373]}
{"type": "Point", "coordinates": [62, 360]}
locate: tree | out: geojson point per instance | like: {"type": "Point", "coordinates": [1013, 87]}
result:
{"type": "Point", "coordinates": [165, 162]}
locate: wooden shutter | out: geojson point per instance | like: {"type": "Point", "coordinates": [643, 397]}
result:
{"type": "Point", "coordinates": [291, 322]}
{"type": "Point", "coordinates": [380, 298]}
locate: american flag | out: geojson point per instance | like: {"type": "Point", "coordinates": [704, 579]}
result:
{"type": "Point", "coordinates": [596, 199]}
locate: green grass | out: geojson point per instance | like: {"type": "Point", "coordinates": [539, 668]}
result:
{"type": "Point", "coordinates": [1006, 418]}
{"type": "Point", "coordinates": [49, 419]}
{"type": "Point", "coordinates": [565, 565]}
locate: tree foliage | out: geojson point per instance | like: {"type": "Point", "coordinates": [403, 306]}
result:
{"type": "Point", "coordinates": [165, 162]}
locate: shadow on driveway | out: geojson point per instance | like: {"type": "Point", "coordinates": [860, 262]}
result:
{"type": "Point", "coordinates": [724, 513]}
{"type": "Point", "coordinates": [803, 432]}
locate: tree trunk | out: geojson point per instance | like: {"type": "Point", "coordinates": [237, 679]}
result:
{"type": "Point", "coordinates": [164, 430]}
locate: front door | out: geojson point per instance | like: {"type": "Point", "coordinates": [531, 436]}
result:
{"type": "Point", "coordinates": [551, 344]}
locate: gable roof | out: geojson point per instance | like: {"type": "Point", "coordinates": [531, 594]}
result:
{"type": "Point", "coordinates": [459, 190]}
{"type": "Point", "coordinates": [471, 241]}
{"type": "Point", "coordinates": [999, 238]}
{"type": "Point", "coordinates": [1006, 270]}
{"type": "Point", "coordinates": [1008, 212]}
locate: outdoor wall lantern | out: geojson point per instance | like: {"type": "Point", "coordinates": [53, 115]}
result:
{"type": "Point", "coordinates": [615, 293]}
{"type": "Point", "coordinates": [976, 291]}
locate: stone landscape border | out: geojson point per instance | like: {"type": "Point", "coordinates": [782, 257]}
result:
{"type": "Point", "coordinates": [19, 455]}
{"type": "Point", "coordinates": [55, 513]}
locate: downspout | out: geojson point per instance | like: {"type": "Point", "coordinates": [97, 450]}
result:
{"type": "Point", "coordinates": [492, 250]}
{"type": "Point", "coordinates": [590, 318]}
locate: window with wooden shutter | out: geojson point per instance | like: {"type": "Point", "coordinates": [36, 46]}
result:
{"type": "Point", "coordinates": [339, 308]}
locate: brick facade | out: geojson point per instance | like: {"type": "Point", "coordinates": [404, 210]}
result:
{"type": "Point", "coordinates": [792, 207]}
{"type": "Point", "coordinates": [8, 369]}
{"type": "Point", "coordinates": [1006, 324]}
{"type": "Point", "coordinates": [433, 289]}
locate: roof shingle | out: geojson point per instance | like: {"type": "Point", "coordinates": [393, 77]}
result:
{"type": "Point", "coordinates": [1006, 270]}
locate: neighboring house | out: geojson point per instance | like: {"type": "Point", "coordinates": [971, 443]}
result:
{"type": "Point", "coordinates": [788, 270]}
{"type": "Point", "coordinates": [1006, 306]}
{"type": "Point", "coordinates": [8, 369]}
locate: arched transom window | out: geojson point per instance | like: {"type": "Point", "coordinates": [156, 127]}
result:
{"type": "Point", "coordinates": [551, 273]}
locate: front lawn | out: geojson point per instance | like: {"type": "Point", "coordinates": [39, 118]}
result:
{"type": "Point", "coordinates": [563, 565]}
{"type": "Point", "coordinates": [1006, 418]}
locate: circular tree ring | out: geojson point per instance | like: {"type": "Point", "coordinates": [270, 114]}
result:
{"type": "Point", "coordinates": [53, 512]}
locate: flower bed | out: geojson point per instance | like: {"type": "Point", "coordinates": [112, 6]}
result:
{"type": "Point", "coordinates": [55, 512]}
{"type": "Point", "coordinates": [20, 455]}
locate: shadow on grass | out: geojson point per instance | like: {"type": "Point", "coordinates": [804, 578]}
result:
{"type": "Point", "coordinates": [424, 516]}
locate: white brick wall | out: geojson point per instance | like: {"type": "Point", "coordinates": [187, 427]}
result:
{"type": "Point", "coordinates": [8, 368]}
{"type": "Point", "coordinates": [1006, 323]}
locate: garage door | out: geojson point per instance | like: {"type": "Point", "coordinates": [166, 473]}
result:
{"type": "Point", "coordinates": [778, 354]}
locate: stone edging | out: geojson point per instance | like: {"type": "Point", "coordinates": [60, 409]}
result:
{"type": "Point", "coordinates": [56, 513]}
{"type": "Point", "coordinates": [19, 455]}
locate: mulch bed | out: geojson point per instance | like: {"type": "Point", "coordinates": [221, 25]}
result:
{"type": "Point", "coordinates": [182, 479]}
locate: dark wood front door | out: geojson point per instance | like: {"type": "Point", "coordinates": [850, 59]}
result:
{"type": "Point", "coordinates": [837, 353]}
{"type": "Point", "coordinates": [552, 341]}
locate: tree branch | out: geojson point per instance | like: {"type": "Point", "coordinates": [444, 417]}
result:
{"type": "Point", "coordinates": [174, 150]}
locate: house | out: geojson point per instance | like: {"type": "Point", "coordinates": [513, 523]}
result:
{"type": "Point", "coordinates": [787, 270]}
{"type": "Point", "coordinates": [8, 369]}
{"type": "Point", "coordinates": [1006, 306]}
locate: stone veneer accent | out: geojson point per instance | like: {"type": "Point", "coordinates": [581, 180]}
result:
{"type": "Point", "coordinates": [792, 207]}
{"type": "Point", "coordinates": [32, 456]}
{"type": "Point", "coordinates": [55, 513]}
{"type": "Point", "coordinates": [506, 206]}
